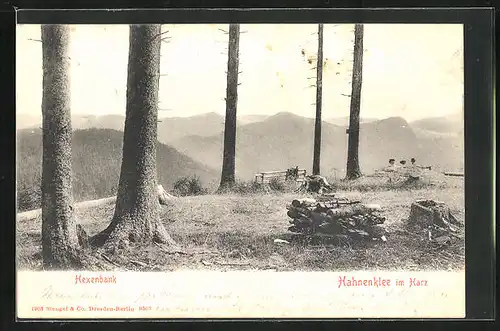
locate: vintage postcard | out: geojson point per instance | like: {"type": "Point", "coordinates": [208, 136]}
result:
{"type": "Point", "coordinates": [240, 171]}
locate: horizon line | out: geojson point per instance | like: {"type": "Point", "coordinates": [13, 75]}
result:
{"type": "Point", "coordinates": [253, 114]}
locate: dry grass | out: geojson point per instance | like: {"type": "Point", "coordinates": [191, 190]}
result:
{"type": "Point", "coordinates": [232, 231]}
{"type": "Point", "coordinates": [399, 181]}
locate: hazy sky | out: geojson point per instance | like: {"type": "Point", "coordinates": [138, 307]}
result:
{"type": "Point", "coordinates": [411, 71]}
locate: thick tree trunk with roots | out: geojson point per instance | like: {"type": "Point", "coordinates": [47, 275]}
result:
{"type": "Point", "coordinates": [353, 170]}
{"type": "Point", "coordinates": [136, 219]}
{"type": "Point", "coordinates": [60, 248]}
{"type": "Point", "coordinates": [228, 160]}
{"type": "Point", "coordinates": [319, 95]}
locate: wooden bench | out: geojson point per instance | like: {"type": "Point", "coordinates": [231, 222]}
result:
{"type": "Point", "coordinates": [454, 174]}
{"type": "Point", "coordinates": [265, 177]}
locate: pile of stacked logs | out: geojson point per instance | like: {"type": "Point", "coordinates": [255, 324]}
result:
{"type": "Point", "coordinates": [328, 215]}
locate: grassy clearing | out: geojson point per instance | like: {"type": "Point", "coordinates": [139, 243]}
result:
{"type": "Point", "coordinates": [398, 181]}
{"type": "Point", "coordinates": [237, 231]}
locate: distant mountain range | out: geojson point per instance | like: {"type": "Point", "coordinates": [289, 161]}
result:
{"type": "Point", "coordinates": [344, 121]}
{"type": "Point", "coordinates": [444, 125]}
{"type": "Point", "coordinates": [169, 128]}
{"type": "Point", "coordinates": [207, 124]}
{"type": "Point", "coordinates": [78, 121]}
{"type": "Point", "coordinates": [266, 143]}
{"type": "Point", "coordinates": [97, 156]}
{"type": "Point", "coordinates": [286, 140]}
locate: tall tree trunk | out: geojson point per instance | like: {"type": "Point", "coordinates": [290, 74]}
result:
{"type": "Point", "coordinates": [228, 160]}
{"type": "Point", "coordinates": [136, 218]}
{"type": "Point", "coordinates": [353, 170]}
{"type": "Point", "coordinates": [319, 94]}
{"type": "Point", "coordinates": [59, 238]}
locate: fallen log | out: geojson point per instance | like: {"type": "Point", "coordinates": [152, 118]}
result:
{"type": "Point", "coordinates": [163, 198]}
{"type": "Point", "coordinates": [31, 214]}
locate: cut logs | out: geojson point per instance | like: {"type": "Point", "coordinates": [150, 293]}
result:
{"type": "Point", "coordinates": [335, 216]}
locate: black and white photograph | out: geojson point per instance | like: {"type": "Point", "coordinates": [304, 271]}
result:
{"type": "Point", "coordinates": [283, 148]}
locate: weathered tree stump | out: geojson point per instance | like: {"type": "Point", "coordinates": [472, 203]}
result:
{"type": "Point", "coordinates": [424, 213]}
{"type": "Point", "coordinates": [314, 184]}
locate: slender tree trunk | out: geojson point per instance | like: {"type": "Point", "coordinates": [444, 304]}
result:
{"type": "Point", "coordinates": [136, 219]}
{"type": "Point", "coordinates": [228, 160]}
{"type": "Point", "coordinates": [353, 170]}
{"type": "Point", "coordinates": [59, 239]}
{"type": "Point", "coordinates": [319, 95]}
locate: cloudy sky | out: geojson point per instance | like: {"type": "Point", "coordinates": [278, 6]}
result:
{"type": "Point", "coordinates": [412, 71]}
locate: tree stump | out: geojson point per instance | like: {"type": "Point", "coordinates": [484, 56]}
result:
{"type": "Point", "coordinates": [424, 213]}
{"type": "Point", "coordinates": [316, 184]}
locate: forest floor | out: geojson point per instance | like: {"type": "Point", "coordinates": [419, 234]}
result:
{"type": "Point", "coordinates": [228, 232]}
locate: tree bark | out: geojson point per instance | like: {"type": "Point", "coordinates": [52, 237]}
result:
{"type": "Point", "coordinates": [136, 219]}
{"type": "Point", "coordinates": [59, 238]}
{"type": "Point", "coordinates": [353, 170]}
{"type": "Point", "coordinates": [228, 160]}
{"type": "Point", "coordinates": [319, 94]}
